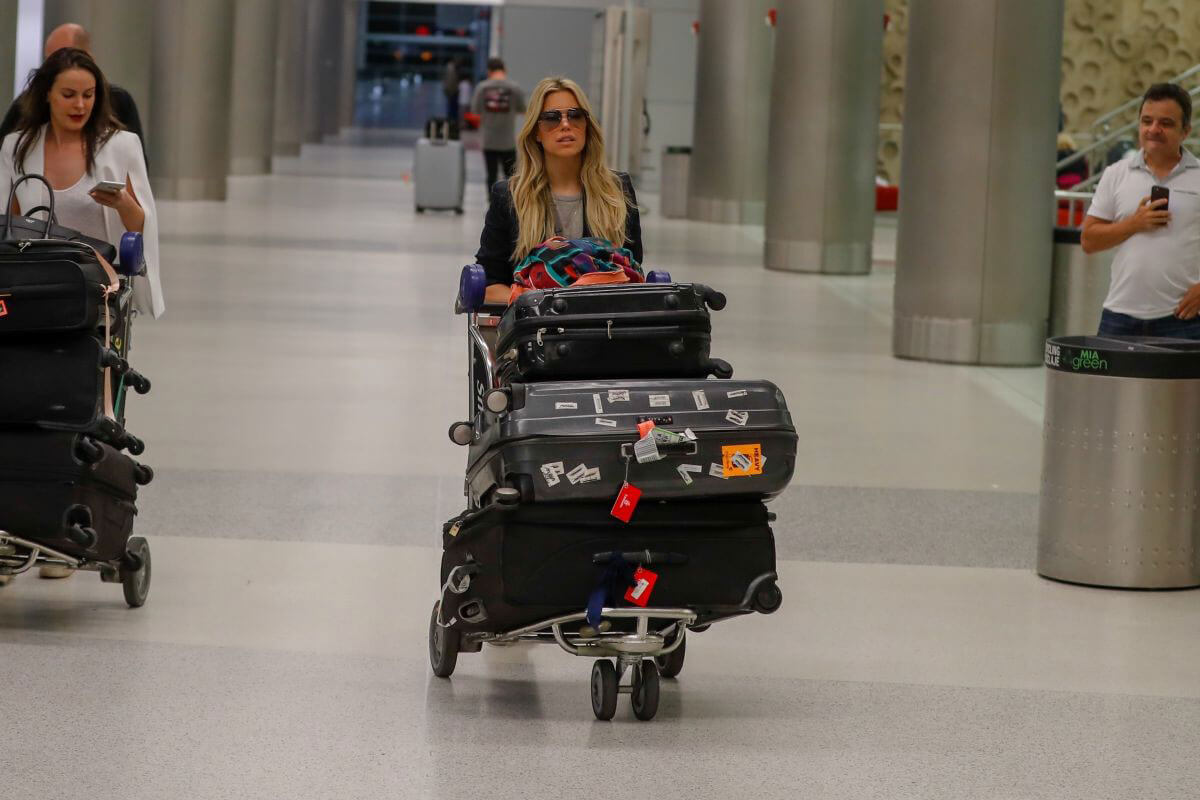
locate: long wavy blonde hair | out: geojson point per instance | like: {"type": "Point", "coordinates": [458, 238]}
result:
{"type": "Point", "coordinates": [605, 206]}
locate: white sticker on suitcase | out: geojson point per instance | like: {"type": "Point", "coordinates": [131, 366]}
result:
{"type": "Point", "coordinates": [701, 399]}
{"type": "Point", "coordinates": [737, 393]}
{"type": "Point", "coordinates": [717, 471]}
{"type": "Point", "coordinates": [608, 423]}
{"type": "Point", "coordinates": [660, 401]}
{"type": "Point", "coordinates": [566, 406]}
{"type": "Point", "coordinates": [618, 395]}
{"type": "Point", "coordinates": [738, 417]}
{"type": "Point", "coordinates": [741, 461]}
{"type": "Point", "coordinates": [599, 405]}
{"type": "Point", "coordinates": [685, 469]}
{"type": "Point", "coordinates": [552, 471]}
{"type": "Point", "coordinates": [583, 474]}
{"type": "Point", "coordinates": [687, 433]}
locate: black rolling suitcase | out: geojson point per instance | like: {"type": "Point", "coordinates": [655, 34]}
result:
{"type": "Point", "coordinates": [57, 381]}
{"type": "Point", "coordinates": [57, 488]}
{"type": "Point", "coordinates": [610, 331]}
{"type": "Point", "coordinates": [48, 285]}
{"type": "Point", "coordinates": [571, 441]}
{"type": "Point", "coordinates": [528, 563]}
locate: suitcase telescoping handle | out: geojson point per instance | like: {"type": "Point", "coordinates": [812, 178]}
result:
{"type": "Point", "coordinates": [643, 558]}
{"type": "Point", "coordinates": [12, 195]}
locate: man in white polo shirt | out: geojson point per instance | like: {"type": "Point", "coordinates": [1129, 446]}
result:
{"type": "Point", "coordinates": [1155, 289]}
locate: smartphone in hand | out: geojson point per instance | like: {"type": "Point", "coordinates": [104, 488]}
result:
{"type": "Point", "coordinates": [111, 187]}
{"type": "Point", "coordinates": [1159, 193]}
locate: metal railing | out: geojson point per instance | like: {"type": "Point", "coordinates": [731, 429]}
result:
{"type": "Point", "coordinates": [1133, 102]}
{"type": "Point", "coordinates": [1077, 203]}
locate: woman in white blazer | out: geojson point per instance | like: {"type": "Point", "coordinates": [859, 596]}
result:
{"type": "Point", "coordinates": [68, 134]}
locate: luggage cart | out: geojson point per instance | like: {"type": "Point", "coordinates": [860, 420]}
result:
{"type": "Point", "coordinates": [646, 644]}
{"type": "Point", "coordinates": [19, 554]}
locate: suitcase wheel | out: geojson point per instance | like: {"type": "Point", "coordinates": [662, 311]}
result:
{"type": "Point", "coordinates": [767, 599]}
{"type": "Point", "coordinates": [139, 382]}
{"type": "Point", "coordinates": [462, 433]}
{"type": "Point", "coordinates": [715, 300]}
{"type": "Point", "coordinates": [133, 444]}
{"type": "Point", "coordinates": [721, 368]}
{"type": "Point", "coordinates": [443, 646]}
{"type": "Point", "coordinates": [87, 451]}
{"type": "Point", "coordinates": [671, 664]}
{"type": "Point", "coordinates": [458, 211]}
{"type": "Point", "coordinates": [420, 209]}
{"type": "Point", "coordinates": [643, 693]}
{"type": "Point", "coordinates": [135, 571]}
{"type": "Point", "coordinates": [604, 689]}
{"type": "Point", "coordinates": [142, 474]}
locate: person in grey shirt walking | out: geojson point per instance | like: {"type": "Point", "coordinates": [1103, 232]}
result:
{"type": "Point", "coordinates": [498, 101]}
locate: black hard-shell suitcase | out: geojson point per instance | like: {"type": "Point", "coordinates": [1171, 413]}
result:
{"type": "Point", "coordinates": [52, 481]}
{"type": "Point", "coordinates": [610, 331]}
{"type": "Point", "coordinates": [528, 563]}
{"type": "Point", "coordinates": [571, 441]}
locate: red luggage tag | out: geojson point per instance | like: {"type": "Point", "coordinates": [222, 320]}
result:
{"type": "Point", "coordinates": [626, 503]}
{"type": "Point", "coordinates": [639, 593]}
{"type": "Point", "coordinates": [644, 428]}
{"type": "Point", "coordinates": [3, 309]}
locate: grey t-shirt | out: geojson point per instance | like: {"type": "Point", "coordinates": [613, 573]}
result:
{"type": "Point", "coordinates": [498, 101]}
{"type": "Point", "coordinates": [568, 216]}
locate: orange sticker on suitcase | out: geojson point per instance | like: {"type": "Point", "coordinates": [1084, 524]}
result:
{"type": "Point", "coordinates": [742, 460]}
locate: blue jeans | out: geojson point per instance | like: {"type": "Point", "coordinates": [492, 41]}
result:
{"type": "Point", "coordinates": [1114, 324]}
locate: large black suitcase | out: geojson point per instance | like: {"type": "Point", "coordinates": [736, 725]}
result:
{"type": "Point", "coordinates": [606, 331]}
{"type": "Point", "coordinates": [54, 484]}
{"type": "Point", "coordinates": [528, 563]}
{"type": "Point", "coordinates": [56, 381]}
{"type": "Point", "coordinates": [571, 441]}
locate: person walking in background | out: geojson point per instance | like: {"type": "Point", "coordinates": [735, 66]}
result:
{"type": "Point", "coordinates": [450, 89]}
{"type": "Point", "coordinates": [498, 101]}
{"type": "Point", "coordinates": [1147, 206]}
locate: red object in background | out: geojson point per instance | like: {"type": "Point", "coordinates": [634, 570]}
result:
{"type": "Point", "coordinates": [887, 22]}
{"type": "Point", "coordinates": [472, 120]}
{"type": "Point", "coordinates": [1068, 220]}
{"type": "Point", "coordinates": [887, 198]}
{"type": "Point", "coordinates": [695, 27]}
{"type": "Point", "coordinates": [422, 30]}
{"type": "Point", "coordinates": [772, 17]}
{"type": "Point", "coordinates": [3, 309]}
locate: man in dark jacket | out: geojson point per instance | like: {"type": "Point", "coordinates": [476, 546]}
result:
{"type": "Point", "coordinates": [72, 35]}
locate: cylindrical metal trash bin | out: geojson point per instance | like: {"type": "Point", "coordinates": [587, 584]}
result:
{"type": "Point", "coordinates": [1121, 463]}
{"type": "Point", "coordinates": [674, 197]}
{"type": "Point", "coordinates": [1079, 284]}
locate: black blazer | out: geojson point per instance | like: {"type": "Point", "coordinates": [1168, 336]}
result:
{"type": "Point", "coordinates": [500, 231]}
{"type": "Point", "coordinates": [123, 108]}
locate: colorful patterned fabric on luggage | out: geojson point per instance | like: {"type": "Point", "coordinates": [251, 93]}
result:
{"type": "Point", "coordinates": [559, 262]}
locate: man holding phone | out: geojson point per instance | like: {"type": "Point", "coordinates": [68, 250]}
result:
{"type": "Point", "coordinates": [1148, 207]}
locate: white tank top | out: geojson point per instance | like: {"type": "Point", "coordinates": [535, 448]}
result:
{"type": "Point", "coordinates": [75, 209]}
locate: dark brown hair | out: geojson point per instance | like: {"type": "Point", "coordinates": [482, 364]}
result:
{"type": "Point", "coordinates": [1171, 91]}
{"type": "Point", "coordinates": [35, 105]}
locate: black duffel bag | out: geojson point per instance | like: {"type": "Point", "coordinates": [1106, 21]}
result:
{"type": "Point", "coordinates": [50, 276]}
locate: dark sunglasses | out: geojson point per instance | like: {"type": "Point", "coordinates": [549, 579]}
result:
{"type": "Point", "coordinates": [552, 119]}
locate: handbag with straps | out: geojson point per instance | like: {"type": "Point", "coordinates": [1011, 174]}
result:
{"type": "Point", "coordinates": [26, 227]}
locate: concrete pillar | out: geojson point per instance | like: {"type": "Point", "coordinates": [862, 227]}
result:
{"type": "Point", "coordinates": [189, 142]}
{"type": "Point", "coordinates": [8, 52]}
{"type": "Point", "coordinates": [122, 42]}
{"type": "Point", "coordinates": [323, 69]}
{"type": "Point", "coordinates": [822, 136]}
{"type": "Point", "coordinates": [253, 87]}
{"type": "Point", "coordinates": [973, 252]}
{"type": "Point", "coordinates": [290, 88]}
{"type": "Point", "coordinates": [348, 79]}
{"type": "Point", "coordinates": [728, 180]}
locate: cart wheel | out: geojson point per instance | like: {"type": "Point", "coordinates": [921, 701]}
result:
{"type": "Point", "coordinates": [604, 689]}
{"type": "Point", "coordinates": [671, 664]}
{"type": "Point", "coordinates": [136, 582]}
{"type": "Point", "coordinates": [645, 690]}
{"type": "Point", "coordinates": [443, 646]}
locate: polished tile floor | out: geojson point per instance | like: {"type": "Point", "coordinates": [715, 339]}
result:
{"type": "Point", "coordinates": [304, 375]}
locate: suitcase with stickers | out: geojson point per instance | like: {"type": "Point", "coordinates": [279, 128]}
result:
{"type": "Point", "coordinates": [646, 330]}
{"type": "Point", "coordinates": [533, 562]}
{"type": "Point", "coordinates": [579, 441]}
